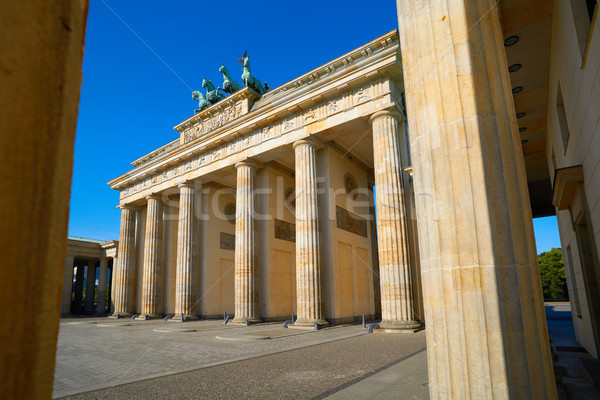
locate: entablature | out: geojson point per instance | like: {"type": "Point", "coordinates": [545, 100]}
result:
{"type": "Point", "coordinates": [305, 106]}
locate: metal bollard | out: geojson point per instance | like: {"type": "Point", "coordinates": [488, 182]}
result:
{"type": "Point", "coordinates": [181, 318]}
{"type": "Point", "coordinates": [371, 327]}
{"type": "Point", "coordinates": [363, 321]}
{"type": "Point", "coordinates": [316, 327]}
{"type": "Point", "coordinates": [286, 323]}
{"type": "Point", "coordinates": [226, 320]}
{"type": "Point", "coordinates": [246, 321]}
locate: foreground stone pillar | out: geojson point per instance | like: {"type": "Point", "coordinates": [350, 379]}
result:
{"type": "Point", "coordinates": [246, 298]}
{"type": "Point", "coordinates": [76, 307]}
{"type": "Point", "coordinates": [102, 286]}
{"type": "Point", "coordinates": [90, 288]}
{"type": "Point", "coordinates": [42, 50]}
{"type": "Point", "coordinates": [152, 267]}
{"type": "Point", "coordinates": [67, 292]}
{"type": "Point", "coordinates": [124, 288]}
{"type": "Point", "coordinates": [397, 311]}
{"type": "Point", "coordinates": [185, 295]}
{"type": "Point", "coordinates": [308, 255]}
{"type": "Point", "coordinates": [486, 329]}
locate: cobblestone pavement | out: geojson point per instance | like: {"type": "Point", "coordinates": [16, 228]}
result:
{"type": "Point", "coordinates": [299, 365]}
{"type": "Point", "coordinates": [261, 361]}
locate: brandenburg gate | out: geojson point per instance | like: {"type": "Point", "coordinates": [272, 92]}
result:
{"type": "Point", "coordinates": [264, 205]}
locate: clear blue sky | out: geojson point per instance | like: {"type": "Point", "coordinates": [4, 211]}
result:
{"type": "Point", "coordinates": [143, 59]}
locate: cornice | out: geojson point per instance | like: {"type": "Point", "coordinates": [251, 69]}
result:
{"type": "Point", "coordinates": [366, 62]}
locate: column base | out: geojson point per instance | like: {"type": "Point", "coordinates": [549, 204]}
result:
{"type": "Point", "coordinates": [149, 316]}
{"type": "Point", "coordinates": [309, 323]}
{"type": "Point", "coordinates": [242, 321]}
{"type": "Point", "coordinates": [400, 326]}
{"type": "Point", "coordinates": [120, 315]}
{"type": "Point", "coordinates": [186, 317]}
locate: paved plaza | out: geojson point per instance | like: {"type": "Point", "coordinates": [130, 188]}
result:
{"type": "Point", "coordinates": [101, 358]}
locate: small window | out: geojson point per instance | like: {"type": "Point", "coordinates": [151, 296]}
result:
{"type": "Point", "coordinates": [562, 118]}
{"type": "Point", "coordinates": [591, 7]}
{"type": "Point", "coordinates": [583, 12]}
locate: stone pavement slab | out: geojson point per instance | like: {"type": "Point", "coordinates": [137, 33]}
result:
{"type": "Point", "coordinates": [406, 380]}
{"type": "Point", "coordinates": [309, 372]}
{"type": "Point", "coordinates": [112, 352]}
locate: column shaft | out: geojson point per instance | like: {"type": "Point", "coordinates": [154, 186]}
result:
{"type": "Point", "coordinates": [392, 231]}
{"type": "Point", "coordinates": [124, 289]}
{"type": "Point", "coordinates": [78, 297]}
{"type": "Point", "coordinates": [152, 268]}
{"type": "Point", "coordinates": [486, 330]}
{"type": "Point", "coordinates": [308, 256]}
{"type": "Point", "coordinates": [90, 287]}
{"type": "Point", "coordinates": [245, 280]}
{"type": "Point", "coordinates": [102, 284]}
{"type": "Point", "coordinates": [67, 292]}
{"type": "Point", "coordinates": [185, 294]}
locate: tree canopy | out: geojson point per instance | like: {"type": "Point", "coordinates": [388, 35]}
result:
{"type": "Point", "coordinates": [552, 271]}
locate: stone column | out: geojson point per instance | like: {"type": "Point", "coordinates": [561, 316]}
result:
{"type": "Point", "coordinates": [124, 289]}
{"type": "Point", "coordinates": [152, 267]}
{"type": "Point", "coordinates": [78, 298]}
{"type": "Point", "coordinates": [67, 292]}
{"type": "Point", "coordinates": [102, 284]}
{"type": "Point", "coordinates": [90, 287]}
{"type": "Point", "coordinates": [308, 255]}
{"type": "Point", "coordinates": [185, 294]}
{"type": "Point", "coordinates": [392, 232]}
{"type": "Point", "coordinates": [486, 329]}
{"type": "Point", "coordinates": [246, 298]}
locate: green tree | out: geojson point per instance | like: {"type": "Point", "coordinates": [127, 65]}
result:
{"type": "Point", "coordinates": [552, 271]}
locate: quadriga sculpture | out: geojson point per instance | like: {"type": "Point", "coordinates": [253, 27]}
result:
{"type": "Point", "coordinates": [212, 94]}
{"type": "Point", "coordinates": [229, 85]}
{"type": "Point", "coordinates": [202, 102]}
{"type": "Point", "coordinates": [247, 78]}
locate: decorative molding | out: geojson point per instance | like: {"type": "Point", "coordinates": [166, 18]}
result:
{"type": "Point", "coordinates": [240, 143]}
{"type": "Point", "coordinates": [227, 241]}
{"type": "Point", "coordinates": [166, 148]}
{"type": "Point", "coordinates": [350, 222]}
{"type": "Point", "coordinates": [204, 126]}
{"type": "Point", "coordinates": [285, 231]}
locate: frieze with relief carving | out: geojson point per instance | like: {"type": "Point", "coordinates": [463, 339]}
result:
{"type": "Point", "coordinates": [240, 143]}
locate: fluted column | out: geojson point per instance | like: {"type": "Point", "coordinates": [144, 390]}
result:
{"type": "Point", "coordinates": [102, 285]}
{"type": "Point", "coordinates": [308, 255]}
{"type": "Point", "coordinates": [246, 298]}
{"type": "Point", "coordinates": [90, 287]}
{"type": "Point", "coordinates": [185, 294]}
{"type": "Point", "coordinates": [486, 330]}
{"type": "Point", "coordinates": [78, 296]}
{"type": "Point", "coordinates": [124, 289]}
{"type": "Point", "coordinates": [392, 233]}
{"type": "Point", "coordinates": [67, 292]}
{"type": "Point", "coordinates": [152, 267]}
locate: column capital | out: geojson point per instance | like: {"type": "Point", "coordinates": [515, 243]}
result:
{"type": "Point", "coordinates": [310, 140]}
{"type": "Point", "coordinates": [247, 162]}
{"type": "Point", "coordinates": [154, 196]}
{"type": "Point", "coordinates": [129, 207]}
{"type": "Point", "coordinates": [188, 184]}
{"type": "Point", "coordinates": [390, 113]}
